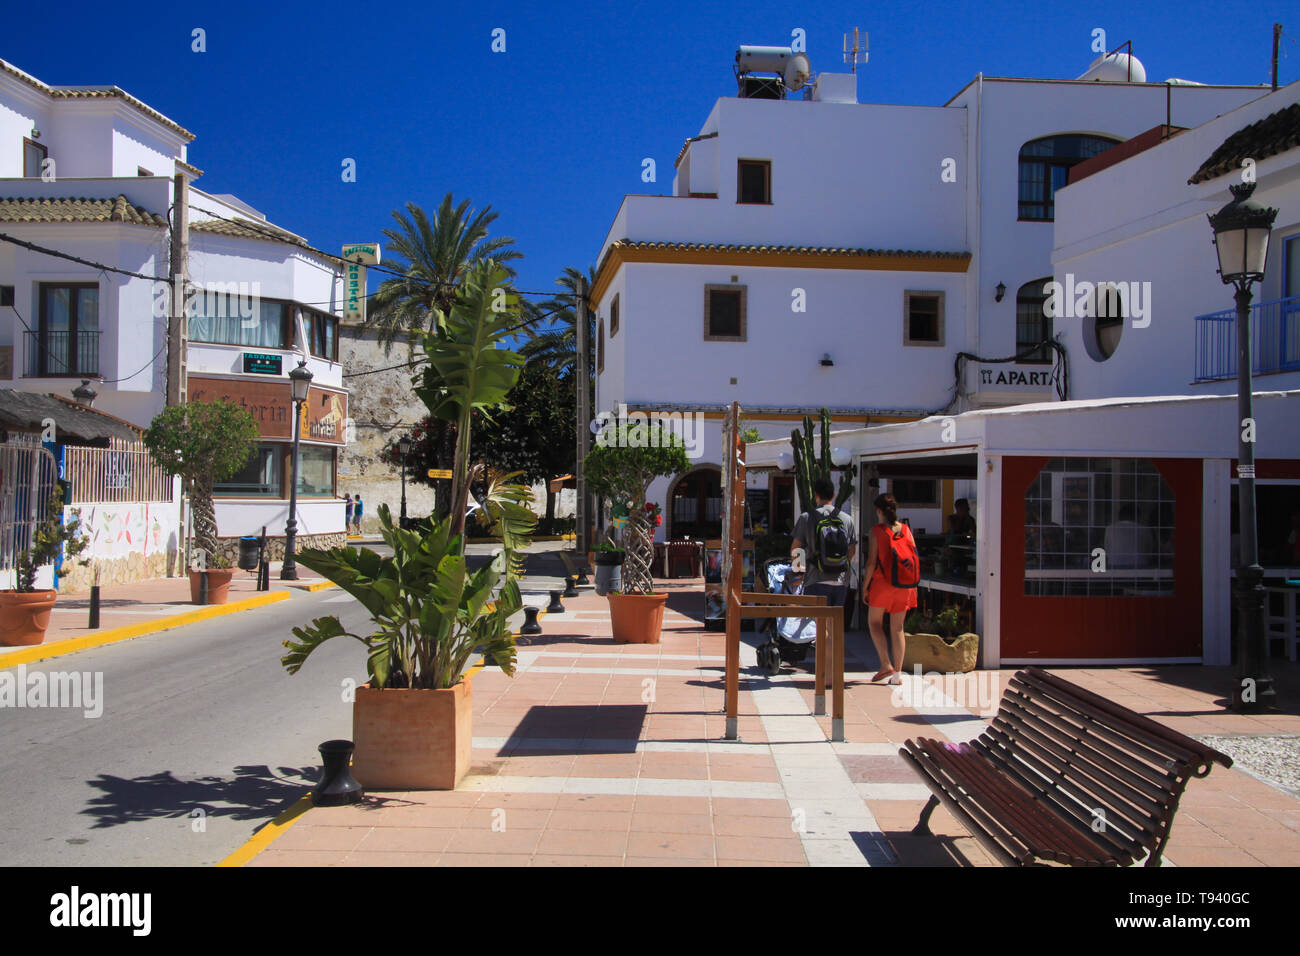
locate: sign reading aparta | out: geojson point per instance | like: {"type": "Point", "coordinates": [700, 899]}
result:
{"type": "Point", "coordinates": [324, 414]}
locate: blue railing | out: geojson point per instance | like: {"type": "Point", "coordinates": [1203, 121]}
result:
{"type": "Point", "coordinates": [1274, 340]}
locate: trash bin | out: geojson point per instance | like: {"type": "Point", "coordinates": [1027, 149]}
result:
{"type": "Point", "coordinates": [248, 552]}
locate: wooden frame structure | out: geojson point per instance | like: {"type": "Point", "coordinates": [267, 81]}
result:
{"type": "Point", "coordinates": [760, 605]}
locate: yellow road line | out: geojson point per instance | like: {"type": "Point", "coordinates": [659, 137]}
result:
{"type": "Point", "coordinates": [264, 837]}
{"type": "Point", "coordinates": [43, 652]}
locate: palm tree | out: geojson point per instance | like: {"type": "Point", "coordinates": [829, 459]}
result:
{"type": "Point", "coordinates": [437, 255]}
{"type": "Point", "coordinates": [557, 347]}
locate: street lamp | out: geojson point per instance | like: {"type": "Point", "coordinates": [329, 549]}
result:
{"type": "Point", "coordinates": [299, 385]}
{"type": "Point", "coordinates": [1241, 230]}
{"type": "Point", "coordinates": [84, 394]}
{"type": "Point", "coordinates": [404, 446]}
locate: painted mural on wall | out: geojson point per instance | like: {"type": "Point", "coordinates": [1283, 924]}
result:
{"type": "Point", "coordinates": [129, 541]}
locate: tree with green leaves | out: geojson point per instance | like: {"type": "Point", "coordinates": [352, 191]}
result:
{"type": "Point", "coordinates": [435, 256]}
{"type": "Point", "coordinates": [204, 443]}
{"type": "Point", "coordinates": [557, 346]}
{"type": "Point", "coordinates": [627, 457]}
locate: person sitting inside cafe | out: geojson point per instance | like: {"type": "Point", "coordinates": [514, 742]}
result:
{"type": "Point", "coordinates": [961, 522]}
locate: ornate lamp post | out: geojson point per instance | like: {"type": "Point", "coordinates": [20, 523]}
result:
{"type": "Point", "coordinates": [299, 385]}
{"type": "Point", "coordinates": [84, 394]}
{"type": "Point", "coordinates": [1241, 231]}
{"type": "Point", "coordinates": [404, 446]}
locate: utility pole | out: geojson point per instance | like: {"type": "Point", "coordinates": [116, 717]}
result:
{"type": "Point", "coordinates": [1277, 35]}
{"type": "Point", "coordinates": [179, 271]}
{"type": "Point", "coordinates": [584, 417]}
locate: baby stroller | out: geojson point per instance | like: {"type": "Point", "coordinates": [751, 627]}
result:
{"type": "Point", "coordinates": [789, 637]}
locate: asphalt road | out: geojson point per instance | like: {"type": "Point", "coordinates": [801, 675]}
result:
{"type": "Point", "coordinates": [203, 738]}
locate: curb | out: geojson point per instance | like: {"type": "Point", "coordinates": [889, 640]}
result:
{"type": "Point", "coordinates": [318, 586]}
{"type": "Point", "coordinates": [264, 837]}
{"type": "Point", "coordinates": [128, 631]}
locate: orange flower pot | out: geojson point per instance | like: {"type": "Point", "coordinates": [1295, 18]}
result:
{"type": "Point", "coordinates": [24, 616]}
{"type": "Point", "coordinates": [412, 739]}
{"type": "Point", "coordinates": [636, 618]}
{"type": "Point", "coordinates": [218, 584]}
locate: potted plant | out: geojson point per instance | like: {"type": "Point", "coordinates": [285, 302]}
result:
{"type": "Point", "coordinates": [936, 644]}
{"type": "Point", "coordinates": [204, 442]}
{"type": "Point", "coordinates": [25, 610]}
{"type": "Point", "coordinates": [412, 722]}
{"type": "Point", "coordinates": [607, 560]}
{"type": "Point", "coordinates": [627, 457]}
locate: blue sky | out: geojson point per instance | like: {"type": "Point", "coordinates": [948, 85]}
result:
{"type": "Point", "coordinates": [552, 132]}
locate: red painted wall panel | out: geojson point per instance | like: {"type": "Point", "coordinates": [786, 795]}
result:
{"type": "Point", "coordinates": [1091, 627]}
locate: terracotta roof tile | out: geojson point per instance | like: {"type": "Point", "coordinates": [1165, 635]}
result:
{"type": "Point", "coordinates": [780, 250]}
{"type": "Point", "coordinates": [20, 209]}
{"type": "Point", "coordinates": [247, 229]}
{"type": "Point", "coordinates": [1275, 133]}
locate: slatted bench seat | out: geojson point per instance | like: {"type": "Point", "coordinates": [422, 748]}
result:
{"type": "Point", "coordinates": [1063, 776]}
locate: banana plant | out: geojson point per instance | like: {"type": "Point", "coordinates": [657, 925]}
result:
{"type": "Point", "coordinates": [470, 369]}
{"type": "Point", "coordinates": [429, 611]}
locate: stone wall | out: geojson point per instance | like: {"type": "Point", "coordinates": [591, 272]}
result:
{"type": "Point", "coordinates": [228, 548]}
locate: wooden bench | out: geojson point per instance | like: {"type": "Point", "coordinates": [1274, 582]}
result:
{"type": "Point", "coordinates": [1062, 775]}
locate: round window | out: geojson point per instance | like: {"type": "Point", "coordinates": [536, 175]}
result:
{"type": "Point", "coordinates": [1104, 325]}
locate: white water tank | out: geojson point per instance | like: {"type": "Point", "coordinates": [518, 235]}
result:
{"type": "Point", "coordinates": [1116, 68]}
{"type": "Point", "coordinates": [794, 68]}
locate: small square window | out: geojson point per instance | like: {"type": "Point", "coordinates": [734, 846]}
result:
{"type": "Point", "coordinates": [923, 318]}
{"type": "Point", "coordinates": [754, 181]}
{"type": "Point", "coordinates": [915, 492]}
{"type": "Point", "coordinates": [6, 296]}
{"type": "Point", "coordinates": [724, 313]}
{"type": "Point", "coordinates": [613, 317]}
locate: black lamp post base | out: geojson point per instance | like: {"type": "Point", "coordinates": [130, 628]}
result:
{"type": "Point", "coordinates": [1254, 696]}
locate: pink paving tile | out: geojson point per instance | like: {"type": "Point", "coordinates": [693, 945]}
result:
{"type": "Point", "coordinates": [596, 802]}
{"type": "Point", "coordinates": [391, 858]}
{"type": "Point", "coordinates": [491, 816]}
{"type": "Point", "coordinates": [653, 822]}
{"type": "Point", "coordinates": [583, 843]}
{"type": "Point", "coordinates": [484, 859]}
{"type": "Point", "coordinates": [653, 803]}
{"type": "Point", "coordinates": [306, 837]}
{"type": "Point", "coordinates": [761, 849]}
{"type": "Point", "coordinates": [689, 846]}
{"type": "Point", "coordinates": [749, 807]}
{"type": "Point", "coordinates": [407, 839]}
{"type": "Point", "coordinates": [665, 861]}
{"type": "Point", "coordinates": [484, 841]}
{"type": "Point", "coordinates": [591, 821]}
{"type": "Point", "coordinates": [556, 859]}
{"type": "Point", "coordinates": [274, 857]}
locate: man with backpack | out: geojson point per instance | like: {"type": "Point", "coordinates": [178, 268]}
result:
{"type": "Point", "coordinates": [828, 539]}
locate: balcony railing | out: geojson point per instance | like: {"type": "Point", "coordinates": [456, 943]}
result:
{"type": "Point", "coordinates": [1274, 340]}
{"type": "Point", "coordinates": [62, 354]}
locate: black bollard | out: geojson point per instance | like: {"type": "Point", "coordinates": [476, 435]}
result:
{"type": "Point", "coordinates": [570, 586]}
{"type": "Point", "coordinates": [337, 786]}
{"type": "Point", "coordinates": [530, 623]}
{"type": "Point", "coordinates": [203, 587]}
{"type": "Point", "coordinates": [94, 606]}
{"type": "Point", "coordinates": [582, 577]}
{"type": "Point", "coordinates": [555, 607]}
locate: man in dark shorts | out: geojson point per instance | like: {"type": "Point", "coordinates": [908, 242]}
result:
{"type": "Point", "coordinates": [815, 581]}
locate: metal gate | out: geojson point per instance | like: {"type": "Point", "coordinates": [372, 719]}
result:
{"type": "Point", "coordinates": [27, 476]}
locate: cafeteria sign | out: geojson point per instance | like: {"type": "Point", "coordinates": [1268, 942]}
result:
{"type": "Point", "coordinates": [356, 257]}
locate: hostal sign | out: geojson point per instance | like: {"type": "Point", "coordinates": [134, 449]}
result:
{"type": "Point", "coordinates": [356, 257]}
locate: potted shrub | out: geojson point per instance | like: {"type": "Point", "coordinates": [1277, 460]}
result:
{"type": "Point", "coordinates": [204, 442]}
{"type": "Point", "coordinates": [627, 457]}
{"type": "Point", "coordinates": [25, 610]}
{"type": "Point", "coordinates": [412, 721]}
{"type": "Point", "coordinates": [937, 645]}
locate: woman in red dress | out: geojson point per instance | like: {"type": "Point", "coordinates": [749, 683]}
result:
{"type": "Point", "coordinates": [881, 597]}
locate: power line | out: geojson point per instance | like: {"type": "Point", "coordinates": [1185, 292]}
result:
{"type": "Point", "coordinates": [85, 262]}
{"type": "Point", "coordinates": [102, 381]}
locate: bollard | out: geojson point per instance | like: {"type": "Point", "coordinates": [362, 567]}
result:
{"type": "Point", "coordinates": [337, 786]}
{"type": "Point", "coordinates": [203, 587]}
{"type": "Point", "coordinates": [582, 578]}
{"type": "Point", "coordinates": [530, 624]}
{"type": "Point", "coordinates": [555, 607]}
{"type": "Point", "coordinates": [94, 606]}
{"type": "Point", "coordinates": [570, 586]}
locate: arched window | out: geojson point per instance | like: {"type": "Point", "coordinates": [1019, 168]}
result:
{"type": "Point", "coordinates": [1033, 324]}
{"type": "Point", "coordinates": [1045, 167]}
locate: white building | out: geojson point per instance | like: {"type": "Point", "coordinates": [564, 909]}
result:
{"type": "Point", "coordinates": [1142, 222]}
{"type": "Point", "coordinates": [868, 258]}
{"type": "Point", "coordinates": [89, 171]}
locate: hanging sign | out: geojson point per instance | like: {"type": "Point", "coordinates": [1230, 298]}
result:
{"type": "Point", "coordinates": [357, 256]}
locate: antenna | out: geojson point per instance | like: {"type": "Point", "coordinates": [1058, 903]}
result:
{"type": "Point", "coordinates": [859, 48]}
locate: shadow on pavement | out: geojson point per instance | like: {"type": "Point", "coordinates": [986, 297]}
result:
{"type": "Point", "coordinates": [252, 793]}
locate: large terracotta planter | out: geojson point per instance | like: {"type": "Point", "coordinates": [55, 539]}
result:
{"type": "Point", "coordinates": [24, 616]}
{"type": "Point", "coordinates": [636, 618]}
{"type": "Point", "coordinates": [933, 653]}
{"type": "Point", "coordinates": [412, 739]}
{"type": "Point", "coordinates": [218, 584]}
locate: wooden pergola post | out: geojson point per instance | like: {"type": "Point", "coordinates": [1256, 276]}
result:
{"type": "Point", "coordinates": [760, 605]}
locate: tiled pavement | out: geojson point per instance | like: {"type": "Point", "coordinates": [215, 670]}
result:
{"type": "Point", "coordinates": [603, 754]}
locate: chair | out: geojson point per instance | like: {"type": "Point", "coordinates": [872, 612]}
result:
{"type": "Point", "coordinates": [683, 552]}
